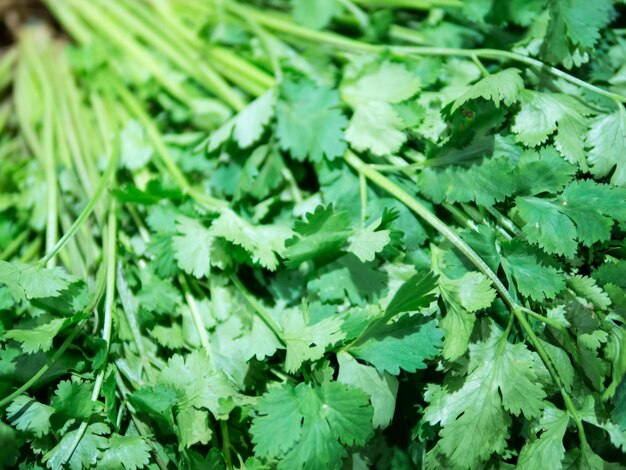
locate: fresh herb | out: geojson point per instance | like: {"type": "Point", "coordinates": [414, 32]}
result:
{"type": "Point", "coordinates": [314, 234]}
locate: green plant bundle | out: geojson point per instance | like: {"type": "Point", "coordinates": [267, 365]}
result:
{"type": "Point", "coordinates": [314, 234]}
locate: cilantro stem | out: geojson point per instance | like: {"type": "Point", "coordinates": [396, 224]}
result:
{"type": "Point", "coordinates": [226, 443]}
{"type": "Point", "coordinates": [91, 204]}
{"type": "Point", "coordinates": [259, 308]}
{"type": "Point", "coordinates": [542, 318]}
{"type": "Point", "coordinates": [517, 310]}
{"type": "Point", "coordinates": [97, 21]}
{"type": "Point", "coordinates": [109, 302]}
{"type": "Point", "coordinates": [198, 69]}
{"type": "Point", "coordinates": [46, 147]}
{"type": "Point", "coordinates": [31, 251]}
{"type": "Point", "coordinates": [197, 318]}
{"type": "Point", "coordinates": [14, 245]}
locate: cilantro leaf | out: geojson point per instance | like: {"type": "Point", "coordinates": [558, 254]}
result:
{"type": "Point", "coordinates": [403, 344]}
{"type": "Point", "coordinates": [306, 341]}
{"type": "Point", "coordinates": [247, 126]}
{"type": "Point", "coordinates": [136, 150]}
{"type": "Point", "coordinates": [547, 449]}
{"type": "Point", "coordinates": [315, 424]}
{"type": "Point", "coordinates": [583, 213]}
{"type": "Point", "coordinates": [573, 29]}
{"type": "Point", "coordinates": [198, 384]}
{"type": "Point", "coordinates": [368, 241]}
{"type": "Point", "coordinates": [323, 234]}
{"type": "Point", "coordinates": [128, 452]}
{"type": "Point", "coordinates": [382, 388]}
{"type": "Point", "coordinates": [462, 297]}
{"type": "Point", "coordinates": [375, 125]}
{"type": "Point", "coordinates": [27, 414]}
{"type": "Point", "coordinates": [310, 124]}
{"type": "Point", "coordinates": [263, 242]}
{"type": "Point", "coordinates": [193, 247]}
{"type": "Point", "coordinates": [314, 14]}
{"type": "Point", "coordinates": [606, 140]}
{"type": "Point", "coordinates": [542, 114]}
{"type": "Point", "coordinates": [86, 453]}
{"type": "Point", "coordinates": [33, 281]}
{"type": "Point", "coordinates": [504, 86]}
{"type": "Point", "coordinates": [501, 380]}
{"type": "Point", "coordinates": [73, 399]}
{"type": "Point", "coordinates": [38, 338]}
{"type": "Point", "coordinates": [414, 294]}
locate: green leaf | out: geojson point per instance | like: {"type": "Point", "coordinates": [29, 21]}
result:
{"type": "Point", "coordinates": [382, 388]}
{"type": "Point", "coordinates": [314, 14]}
{"type": "Point", "coordinates": [501, 87]}
{"type": "Point", "coordinates": [583, 213]}
{"type": "Point", "coordinates": [532, 278]}
{"type": "Point", "coordinates": [28, 415]}
{"type": "Point", "coordinates": [574, 28]}
{"type": "Point", "coordinates": [462, 297]}
{"type": "Point", "coordinates": [135, 149]}
{"type": "Point", "coordinates": [472, 292]}
{"type": "Point", "coordinates": [546, 450]}
{"type": "Point", "coordinates": [247, 126]}
{"type": "Point", "coordinates": [193, 247]}
{"type": "Point", "coordinates": [194, 428]}
{"type": "Point", "coordinates": [264, 243]}
{"type": "Point", "coordinates": [86, 453]}
{"type": "Point", "coordinates": [587, 288]}
{"type": "Point", "coordinates": [310, 124]}
{"type": "Point", "coordinates": [414, 294]}
{"type": "Point", "coordinates": [33, 281]}
{"type": "Point", "coordinates": [128, 452]}
{"type": "Point", "coordinates": [305, 341]}
{"type": "Point", "coordinates": [542, 114]}
{"type": "Point", "coordinates": [323, 234]}
{"type": "Point", "coordinates": [198, 384]}
{"type": "Point", "coordinates": [38, 338]}
{"type": "Point", "coordinates": [403, 344]}
{"type": "Point", "coordinates": [606, 140]}
{"type": "Point", "coordinates": [501, 380]}
{"type": "Point", "coordinates": [73, 399]}
{"type": "Point", "coordinates": [314, 423]}
{"type": "Point", "coordinates": [366, 242]}
{"type": "Point", "coordinates": [375, 125]}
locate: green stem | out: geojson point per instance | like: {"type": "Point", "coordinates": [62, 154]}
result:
{"type": "Point", "coordinates": [14, 245]}
{"type": "Point", "coordinates": [138, 19]}
{"type": "Point", "coordinates": [543, 319]}
{"type": "Point", "coordinates": [226, 443]}
{"type": "Point", "coordinates": [425, 214]}
{"type": "Point", "coordinates": [258, 308]}
{"type": "Point", "coordinates": [197, 318]}
{"type": "Point", "coordinates": [118, 36]}
{"type": "Point", "coordinates": [91, 204]}
{"type": "Point", "coordinates": [109, 302]}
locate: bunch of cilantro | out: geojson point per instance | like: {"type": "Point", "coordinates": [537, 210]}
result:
{"type": "Point", "coordinates": [314, 234]}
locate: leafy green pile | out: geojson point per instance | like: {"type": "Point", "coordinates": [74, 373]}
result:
{"type": "Point", "coordinates": [314, 234]}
